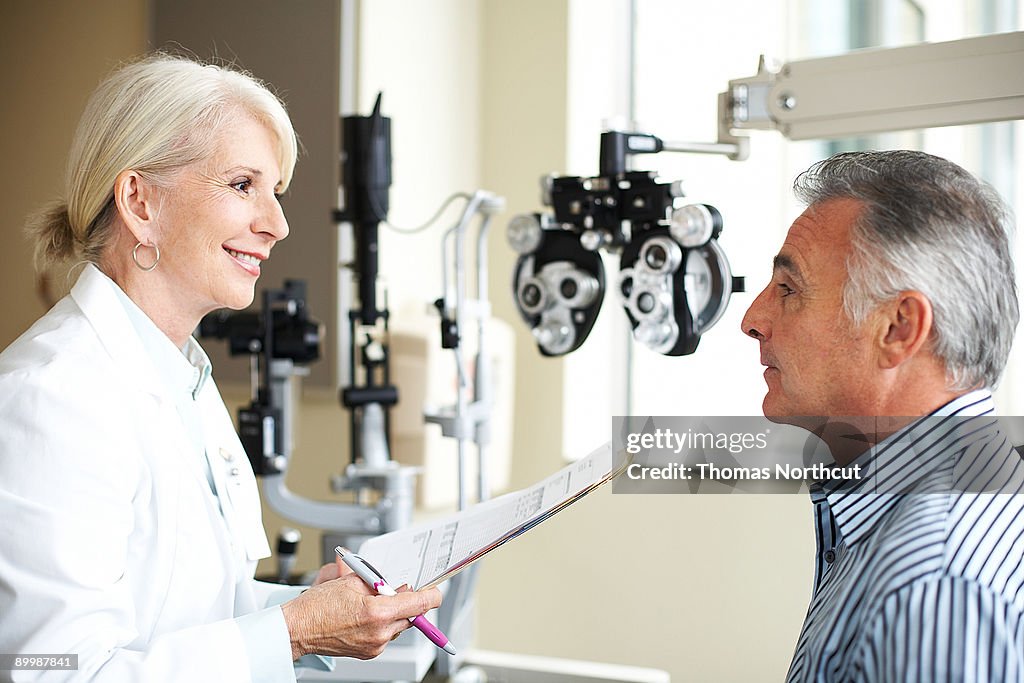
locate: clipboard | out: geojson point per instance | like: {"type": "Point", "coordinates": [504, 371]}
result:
{"type": "Point", "coordinates": [427, 554]}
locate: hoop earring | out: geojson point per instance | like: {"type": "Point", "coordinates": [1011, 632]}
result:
{"type": "Point", "coordinates": [135, 257]}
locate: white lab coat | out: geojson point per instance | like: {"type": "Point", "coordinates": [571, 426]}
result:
{"type": "Point", "coordinates": [113, 544]}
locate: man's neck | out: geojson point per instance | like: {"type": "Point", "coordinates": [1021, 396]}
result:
{"type": "Point", "coordinates": [848, 437]}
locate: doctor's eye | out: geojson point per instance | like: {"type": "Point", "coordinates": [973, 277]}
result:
{"type": "Point", "coordinates": [243, 186]}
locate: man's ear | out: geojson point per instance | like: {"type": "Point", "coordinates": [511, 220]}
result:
{"type": "Point", "coordinates": [136, 202]}
{"type": "Point", "coordinates": [907, 325]}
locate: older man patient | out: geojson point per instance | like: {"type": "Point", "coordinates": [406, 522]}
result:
{"type": "Point", "coordinates": [893, 305]}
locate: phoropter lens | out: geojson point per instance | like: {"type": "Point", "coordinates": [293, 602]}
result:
{"type": "Point", "coordinates": [525, 233]}
{"type": "Point", "coordinates": [531, 295]}
{"type": "Point", "coordinates": [656, 257]}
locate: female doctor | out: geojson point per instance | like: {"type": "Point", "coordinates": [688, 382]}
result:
{"type": "Point", "coordinates": [131, 515]}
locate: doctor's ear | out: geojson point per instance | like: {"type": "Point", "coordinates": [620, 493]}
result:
{"type": "Point", "coordinates": [907, 325]}
{"type": "Point", "coordinates": [137, 200]}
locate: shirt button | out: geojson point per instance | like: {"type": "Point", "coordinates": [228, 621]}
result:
{"type": "Point", "coordinates": [830, 556]}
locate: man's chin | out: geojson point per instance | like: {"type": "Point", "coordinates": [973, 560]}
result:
{"type": "Point", "coordinates": [773, 410]}
{"type": "Point", "coordinates": [780, 414]}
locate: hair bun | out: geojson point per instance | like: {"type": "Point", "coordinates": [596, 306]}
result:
{"type": "Point", "coordinates": [53, 235]}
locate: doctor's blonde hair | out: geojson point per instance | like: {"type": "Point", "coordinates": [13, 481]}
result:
{"type": "Point", "coordinates": [154, 116]}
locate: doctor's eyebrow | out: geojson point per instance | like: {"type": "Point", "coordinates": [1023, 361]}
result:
{"type": "Point", "coordinates": [255, 172]}
{"type": "Point", "coordinates": [788, 265]}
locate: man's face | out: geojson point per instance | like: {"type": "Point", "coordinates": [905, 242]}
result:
{"type": "Point", "coordinates": [817, 363]}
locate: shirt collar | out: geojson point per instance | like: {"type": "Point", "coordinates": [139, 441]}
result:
{"type": "Point", "coordinates": [183, 370]}
{"type": "Point", "coordinates": [916, 458]}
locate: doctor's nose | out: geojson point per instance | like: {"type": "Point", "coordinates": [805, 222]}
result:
{"type": "Point", "coordinates": [272, 221]}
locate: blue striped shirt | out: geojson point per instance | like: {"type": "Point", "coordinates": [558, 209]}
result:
{"type": "Point", "coordinates": [919, 571]}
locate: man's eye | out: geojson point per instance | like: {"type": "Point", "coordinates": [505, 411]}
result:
{"type": "Point", "coordinates": [785, 290]}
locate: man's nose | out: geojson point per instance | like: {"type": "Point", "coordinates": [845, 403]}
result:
{"type": "Point", "coordinates": [755, 323]}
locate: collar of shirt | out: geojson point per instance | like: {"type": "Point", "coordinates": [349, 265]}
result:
{"type": "Point", "coordinates": [916, 458]}
{"type": "Point", "coordinates": [183, 370]}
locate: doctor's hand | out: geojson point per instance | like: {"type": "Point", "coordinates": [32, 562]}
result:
{"type": "Point", "coordinates": [343, 617]}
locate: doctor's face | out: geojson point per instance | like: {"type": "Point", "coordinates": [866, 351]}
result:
{"type": "Point", "coordinates": [221, 218]}
{"type": "Point", "coordinates": [817, 363]}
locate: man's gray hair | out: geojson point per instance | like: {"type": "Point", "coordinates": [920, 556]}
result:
{"type": "Point", "coordinates": [928, 225]}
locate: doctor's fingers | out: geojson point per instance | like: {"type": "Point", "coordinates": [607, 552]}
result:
{"type": "Point", "coordinates": [383, 611]}
{"type": "Point", "coordinates": [353, 623]}
{"type": "Point", "coordinates": [369, 622]}
{"type": "Point", "coordinates": [391, 614]}
{"type": "Point", "coordinates": [409, 604]}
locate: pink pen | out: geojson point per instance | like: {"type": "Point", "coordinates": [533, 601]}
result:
{"type": "Point", "coordinates": [374, 580]}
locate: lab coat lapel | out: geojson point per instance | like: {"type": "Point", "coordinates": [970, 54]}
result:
{"type": "Point", "coordinates": [233, 476]}
{"type": "Point", "coordinates": [99, 303]}
{"type": "Point", "coordinates": [197, 558]}
{"type": "Point", "coordinates": [105, 313]}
